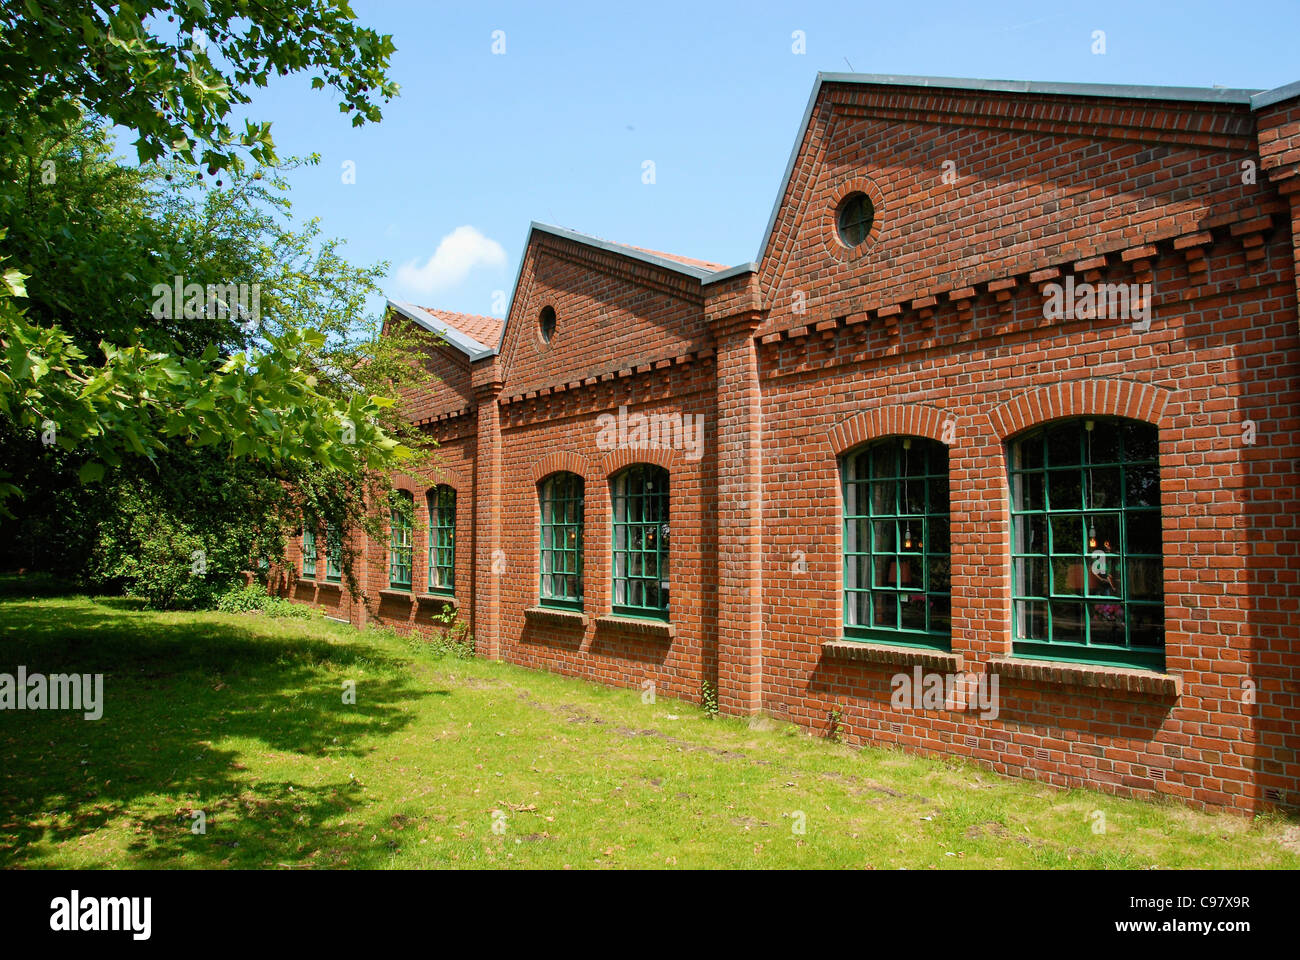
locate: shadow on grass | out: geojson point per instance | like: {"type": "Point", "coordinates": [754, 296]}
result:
{"type": "Point", "coordinates": [173, 689]}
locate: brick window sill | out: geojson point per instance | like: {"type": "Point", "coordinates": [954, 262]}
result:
{"type": "Point", "coordinates": [404, 595]}
{"type": "Point", "coordinates": [1164, 685]}
{"type": "Point", "coordinates": [434, 599]}
{"type": "Point", "coordinates": [555, 617]}
{"type": "Point", "coordinates": [306, 582]}
{"type": "Point", "coordinates": [649, 629]}
{"type": "Point", "coordinates": [328, 584]}
{"type": "Point", "coordinates": [866, 652]}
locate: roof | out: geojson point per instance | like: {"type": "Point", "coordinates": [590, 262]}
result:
{"type": "Point", "coordinates": [699, 269]}
{"type": "Point", "coordinates": [467, 332]}
{"type": "Point", "coordinates": [481, 328]}
{"type": "Point", "coordinates": [689, 261]}
{"type": "Point", "coordinates": [479, 336]}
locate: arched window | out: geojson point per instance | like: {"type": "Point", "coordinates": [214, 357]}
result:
{"type": "Point", "coordinates": [562, 518]}
{"type": "Point", "coordinates": [442, 539]}
{"type": "Point", "coordinates": [400, 551]}
{"type": "Point", "coordinates": [640, 501]}
{"type": "Point", "coordinates": [333, 553]}
{"type": "Point", "coordinates": [896, 543]}
{"type": "Point", "coordinates": [1087, 566]}
{"type": "Point", "coordinates": [308, 551]}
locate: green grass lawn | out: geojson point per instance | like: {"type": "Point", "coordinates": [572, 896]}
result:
{"type": "Point", "coordinates": [242, 717]}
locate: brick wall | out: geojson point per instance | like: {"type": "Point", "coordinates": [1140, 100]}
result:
{"type": "Point", "coordinates": [935, 327]}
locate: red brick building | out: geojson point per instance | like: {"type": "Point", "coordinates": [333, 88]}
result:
{"type": "Point", "coordinates": [1009, 405]}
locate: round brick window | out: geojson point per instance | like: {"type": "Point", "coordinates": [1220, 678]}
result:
{"type": "Point", "coordinates": [854, 218]}
{"type": "Point", "coordinates": [546, 323]}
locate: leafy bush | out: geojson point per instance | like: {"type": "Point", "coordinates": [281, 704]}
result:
{"type": "Point", "coordinates": [254, 598]}
{"type": "Point", "coordinates": [181, 537]}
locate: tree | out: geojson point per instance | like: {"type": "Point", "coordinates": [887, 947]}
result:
{"type": "Point", "coordinates": [173, 71]}
{"type": "Point", "coordinates": [188, 494]}
{"type": "Point", "coordinates": [80, 366]}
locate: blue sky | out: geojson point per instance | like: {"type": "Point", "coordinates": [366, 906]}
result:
{"type": "Point", "coordinates": [559, 126]}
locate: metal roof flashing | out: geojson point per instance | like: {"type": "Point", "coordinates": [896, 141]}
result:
{"type": "Point", "coordinates": [461, 341]}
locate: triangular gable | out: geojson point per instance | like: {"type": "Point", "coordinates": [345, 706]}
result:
{"type": "Point", "coordinates": [1022, 169]}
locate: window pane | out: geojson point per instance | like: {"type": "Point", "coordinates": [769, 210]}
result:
{"type": "Point", "coordinates": [1030, 576]}
{"type": "Point", "coordinates": [1140, 441]}
{"type": "Point", "coordinates": [1064, 444]}
{"type": "Point", "coordinates": [1027, 491]}
{"type": "Point", "coordinates": [1031, 619]}
{"type": "Point", "coordinates": [1065, 490]}
{"type": "Point", "coordinates": [1029, 533]}
{"type": "Point", "coordinates": [1142, 486]}
{"type": "Point", "coordinates": [1143, 529]}
{"type": "Point", "coordinates": [1067, 534]}
{"type": "Point", "coordinates": [1067, 622]}
{"type": "Point", "coordinates": [1067, 576]}
{"type": "Point", "coordinates": [913, 611]}
{"type": "Point", "coordinates": [1145, 579]}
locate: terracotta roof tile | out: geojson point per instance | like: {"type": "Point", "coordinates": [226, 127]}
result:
{"type": "Point", "coordinates": [486, 330]}
{"type": "Point", "coordinates": [689, 261]}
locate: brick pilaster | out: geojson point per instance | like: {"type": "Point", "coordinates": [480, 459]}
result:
{"type": "Point", "coordinates": [740, 516]}
{"type": "Point", "coordinates": [490, 562]}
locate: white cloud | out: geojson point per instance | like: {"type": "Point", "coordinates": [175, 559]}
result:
{"type": "Point", "coordinates": [458, 253]}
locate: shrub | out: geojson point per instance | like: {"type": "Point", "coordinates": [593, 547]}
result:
{"type": "Point", "coordinates": [254, 599]}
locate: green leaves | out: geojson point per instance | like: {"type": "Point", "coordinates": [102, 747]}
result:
{"type": "Point", "coordinates": [260, 403]}
{"type": "Point", "coordinates": [13, 280]}
{"type": "Point", "coordinates": [127, 63]}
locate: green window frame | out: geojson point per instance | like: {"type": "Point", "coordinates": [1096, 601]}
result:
{"type": "Point", "coordinates": [1087, 557]}
{"type": "Point", "coordinates": [640, 500]}
{"type": "Point", "coordinates": [563, 516]}
{"type": "Point", "coordinates": [442, 539]}
{"type": "Point", "coordinates": [333, 553]}
{"type": "Point", "coordinates": [897, 543]}
{"type": "Point", "coordinates": [401, 551]}
{"type": "Point", "coordinates": [309, 552]}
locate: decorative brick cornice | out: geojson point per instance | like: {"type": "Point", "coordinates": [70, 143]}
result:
{"type": "Point", "coordinates": [737, 297]}
{"type": "Point", "coordinates": [1093, 396]}
{"type": "Point", "coordinates": [1246, 227]}
{"type": "Point", "coordinates": [887, 420]}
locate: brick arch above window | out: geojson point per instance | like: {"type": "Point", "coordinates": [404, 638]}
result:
{"type": "Point", "coordinates": [616, 460]}
{"type": "Point", "coordinates": [1080, 398]}
{"type": "Point", "coordinates": [561, 461]}
{"type": "Point", "coordinates": [406, 482]}
{"type": "Point", "coordinates": [893, 419]}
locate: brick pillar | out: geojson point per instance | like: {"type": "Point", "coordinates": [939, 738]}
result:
{"type": "Point", "coordinates": [1278, 132]}
{"type": "Point", "coordinates": [488, 572]}
{"type": "Point", "coordinates": [740, 516]}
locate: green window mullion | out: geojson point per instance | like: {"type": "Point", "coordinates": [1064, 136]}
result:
{"type": "Point", "coordinates": [400, 547]}
{"type": "Point", "coordinates": [309, 552]}
{"type": "Point", "coordinates": [1082, 639]}
{"type": "Point", "coordinates": [561, 540]}
{"type": "Point", "coordinates": [333, 554]}
{"type": "Point", "coordinates": [638, 590]}
{"type": "Point", "coordinates": [442, 539]}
